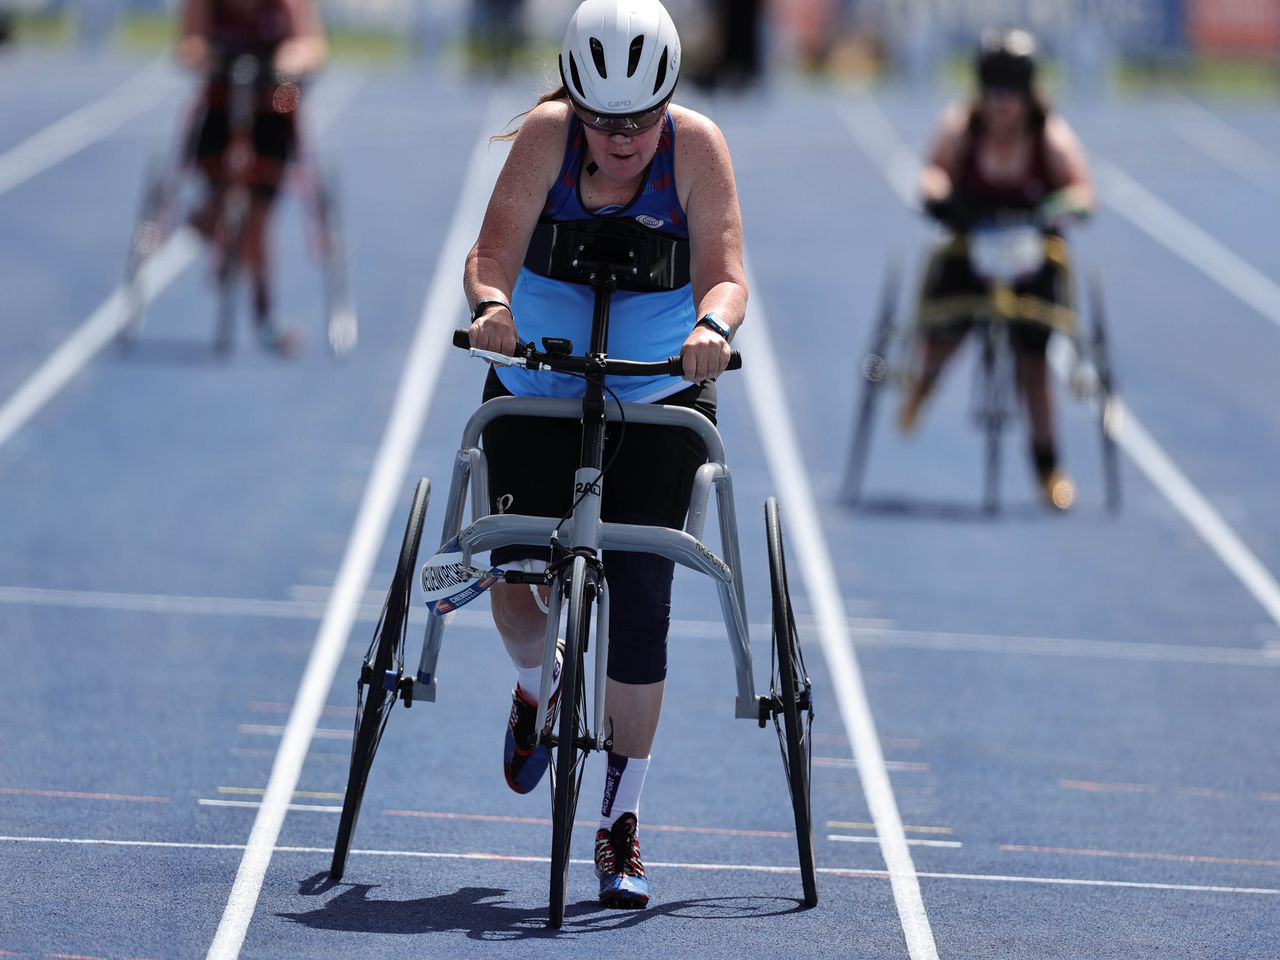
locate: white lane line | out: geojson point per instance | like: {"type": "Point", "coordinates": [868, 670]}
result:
{"type": "Point", "coordinates": [1224, 144]}
{"type": "Point", "coordinates": [853, 873]}
{"type": "Point", "coordinates": [1131, 884]}
{"type": "Point", "coordinates": [843, 838]}
{"type": "Point", "coordinates": [441, 313]}
{"type": "Point", "coordinates": [257, 805]}
{"type": "Point", "coordinates": [1180, 236]}
{"type": "Point", "coordinates": [878, 633]}
{"type": "Point", "coordinates": [869, 126]}
{"type": "Point", "coordinates": [270, 730]}
{"type": "Point", "coordinates": [94, 334]}
{"type": "Point", "coordinates": [1160, 469]}
{"type": "Point", "coordinates": [880, 636]}
{"type": "Point", "coordinates": [893, 766]}
{"type": "Point", "coordinates": [803, 526]}
{"type": "Point", "coordinates": [86, 125]}
{"type": "Point", "coordinates": [105, 322]}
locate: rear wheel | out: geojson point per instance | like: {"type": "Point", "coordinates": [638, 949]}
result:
{"type": "Point", "coordinates": [993, 405]}
{"type": "Point", "coordinates": [1108, 407]}
{"type": "Point", "coordinates": [342, 325]}
{"type": "Point", "coordinates": [381, 678]}
{"type": "Point", "coordinates": [873, 373]}
{"type": "Point", "coordinates": [573, 740]}
{"type": "Point", "coordinates": [235, 213]}
{"type": "Point", "coordinates": [791, 695]}
{"type": "Point", "coordinates": [143, 243]}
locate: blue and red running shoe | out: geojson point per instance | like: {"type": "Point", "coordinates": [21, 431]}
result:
{"type": "Point", "coordinates": [524, 760]}
{"type": "Point", "coordinates": [618, 865]}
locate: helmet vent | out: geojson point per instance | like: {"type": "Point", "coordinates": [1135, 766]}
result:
{"type": "Point", "coordinates": [633, 58]}
{"type": "Point", "coordinates": [662, 70]}
{"type": "Point", "coordinates": [597, 54]}
{"type": "Point", "coordinates": [573, 75]}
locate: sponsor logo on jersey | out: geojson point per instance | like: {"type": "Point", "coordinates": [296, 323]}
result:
{"type": "Point", "coordinates": [652, 223]}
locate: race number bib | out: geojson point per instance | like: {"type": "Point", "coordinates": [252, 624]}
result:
{"type": "Point", "coordinates": [448, 583]}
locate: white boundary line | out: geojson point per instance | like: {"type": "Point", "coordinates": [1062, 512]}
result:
{"type": "Point", "coordinates": [86, 125]}
{"type": "Point", "coordinates": [105, 322]}
{"type": "Point", "coordinates": [1227, 146]}
{"type": "Point", "coordinates": [854, 873]}
{"type": "Point", "coordinates": [94, 334]}
{"type": "Point", "coordinates": [441, 312]}
{"type": "Point", "coordinates": [872, 132]}
{"type": "Point", "coordinates": [1180, 236]}
{"type": "Point", "coordinates": [801, 521]}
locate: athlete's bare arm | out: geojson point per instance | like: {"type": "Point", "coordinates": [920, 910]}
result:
{"type": "Point", "coordinates": [518, 198]}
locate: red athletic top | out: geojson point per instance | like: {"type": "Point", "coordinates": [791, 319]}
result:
{"type": "Point", "coordinates": [1023, 193]}
{"type": "Point", "coordinates": [249, 24]}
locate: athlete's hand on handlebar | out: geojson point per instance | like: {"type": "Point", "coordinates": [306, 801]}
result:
{"type": "Point", "coordinates": [705, 355]}
{"type": "Point", "coordinates": [560, 357]}
{"type": "Point", "coordinates": [495, 331]}
{"type": "Point", "coordinates": [957, 212]}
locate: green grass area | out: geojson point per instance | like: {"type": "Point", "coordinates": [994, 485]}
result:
{"type": "Point", "coordinates": [157, 34]}
{"type": "Point", "coordinates": [1212, 76]}
{"type": "Point", "coordinates": [43, 29]}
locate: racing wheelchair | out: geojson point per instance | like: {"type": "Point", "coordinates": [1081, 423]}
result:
{"type": "Point", "coordinates": [1004, 253]}
{"type": "Point", "coordinates": [169, 197]}
{"type": "Point", "coordinates": [458, 573]}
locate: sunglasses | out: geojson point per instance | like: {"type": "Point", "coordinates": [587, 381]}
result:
{"type": "Point", "coordinates": [629, 125]}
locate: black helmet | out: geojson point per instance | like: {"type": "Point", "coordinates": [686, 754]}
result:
{"type": "Point", "coordinates": [1007, 60]}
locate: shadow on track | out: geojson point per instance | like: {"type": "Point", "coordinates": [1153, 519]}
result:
{"type": "Point", "coordinates": [953, 511]}
{"type": "Point", "coordinates": [172, 352]}
{"type": "Point", "coordinates": [481, 913]}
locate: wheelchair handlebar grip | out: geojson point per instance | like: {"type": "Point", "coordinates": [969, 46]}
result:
{"type": "Point", "coordinates": [462, 338]}
{"type": "Point", "coordinates": [675, 366]}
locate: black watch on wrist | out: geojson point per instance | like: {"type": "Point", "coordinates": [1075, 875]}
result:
{"type": "Point", "coordinates": [485, 303]}
{"type": "Point", "coordinates": [712, 320]}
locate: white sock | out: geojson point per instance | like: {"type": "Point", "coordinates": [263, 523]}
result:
{"type": "Point", "coordinates": [623, 782]}
{"type": "Point", "coordinates": [529, 679]}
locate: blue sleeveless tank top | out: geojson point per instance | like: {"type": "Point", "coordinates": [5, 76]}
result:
{"type": "Point", "coordinates": [649, 325]}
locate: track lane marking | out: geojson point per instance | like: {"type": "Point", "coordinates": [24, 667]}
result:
{"type": "Point", "coordinates": [1227, 146]}
{"type": "Point", "coordinates": [1183, 238]}
{"type": "Point", "coordinates": [73, 795]}
{"type": "Point", "coordinates": [913, 841]}
{"type": "Point", "coordinates": [98, 330]}
{"type": "Point", "coordinates": [546, 821]}
{"type": "Point", "coordinates": [86, 125]}
{"type": "Point", "coordinates": [800, 518]}
{"type": "Point", "coordinates": [440, 314]}
{"type": "Point", "coordinates": [842, 872]}
{"type": "Point", "coordinates": [1138, 855]}
{"type": "Point", "coordinates": [879, 633]}
{"type": "Point", "coordinates": [873, 133]}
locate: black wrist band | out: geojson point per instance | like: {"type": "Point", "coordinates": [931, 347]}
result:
{"type": "Point", "coordinates": [489, 302]}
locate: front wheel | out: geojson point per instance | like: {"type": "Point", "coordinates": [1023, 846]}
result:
{"type": "Point", "coordinates": [791, 694]}
{"type": "Point", "coordinates": [574, 736]}
{"type": "Point", "coordinates": [381, 678]}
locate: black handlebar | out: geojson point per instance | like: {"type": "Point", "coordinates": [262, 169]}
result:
{"type": "Point", "coordinates": [533, 359]}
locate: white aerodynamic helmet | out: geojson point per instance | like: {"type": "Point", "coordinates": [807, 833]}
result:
{"type": "Point", "coordinates": [620, 57]}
